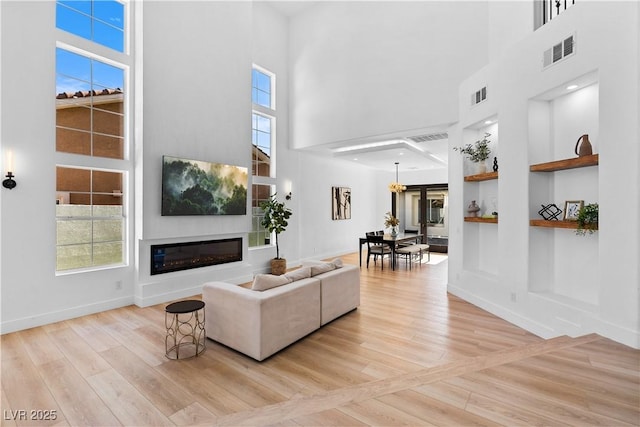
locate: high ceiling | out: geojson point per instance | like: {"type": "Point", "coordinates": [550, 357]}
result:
{"type": "Point", "coordinates": [415, 150]}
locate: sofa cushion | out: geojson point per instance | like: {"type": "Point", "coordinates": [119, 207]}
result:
{"type": "Point", "coordinates": [321, 268]}
{"type": "Point", "coordinates": [337, 262]}
{"type": "Point", "coordinates": [262, 282]}
{"type": "Point", "coordinates": [299, 274]}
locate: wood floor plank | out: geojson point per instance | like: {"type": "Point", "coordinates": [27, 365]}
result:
{"type": "Point", "coordinates": [23, 385]}
{"type": "Point", "coordinates": [90, 329]}
{"type": "Point", "coordinates": [78, 401]}
{"type": "Point", "coordinates": [193, 415]}
{"type": "Point", "coordinates": [433, 410]}
{"type": "Point", "coordinates": [330, 417]}
{"type": "Point", "coordinates": [127, 404]}
{"type": "Point", "coordinates": [375, 413]}
{"type": "Point", "coordinates": [40, 347]}
{"type": "Point", "coordinates": [163, 393]}
{"type": "Point", "coordinates": [79, 352]}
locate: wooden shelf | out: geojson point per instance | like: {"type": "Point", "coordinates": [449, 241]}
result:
{"type": "Point", "coordinates": [554, 224]}
{"type": "Point", "coordinates": [481, 177]}
{"type": "Point", "coordinates": [578, 162]}
{"type": "Point", "coordinates": [480, 219]}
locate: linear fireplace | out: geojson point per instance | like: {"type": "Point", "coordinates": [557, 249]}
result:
{"type": "Point", "coordinates": [182, 256]}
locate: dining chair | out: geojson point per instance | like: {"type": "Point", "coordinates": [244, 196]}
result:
{"type": "Point", "coordinates": [377, 248]}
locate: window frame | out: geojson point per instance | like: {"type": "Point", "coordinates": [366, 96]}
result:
{"type": "Point", "coordinates": [270, 113]}
{"type": "Point", "coordinates": [272, 87]}
{"type": "Point", "coordinates": [102, 53]}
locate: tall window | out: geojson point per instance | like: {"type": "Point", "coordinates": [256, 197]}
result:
{"type": "Point", "coordinates": [262, 138]}
{"type": "Point", "coordinates": [91, 117]}
{"type": "Point", "coordinates": [101, 21]}
{"type": "Point", "coordinates": [261, 88]}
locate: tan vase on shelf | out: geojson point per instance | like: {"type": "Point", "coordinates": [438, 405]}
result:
{"type": "Point", "coordinates": [585, 148]}
{"type": "Point", "coordinates": [481, 167]}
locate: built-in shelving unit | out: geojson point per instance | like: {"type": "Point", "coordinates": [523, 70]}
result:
{"type": "Point", "coordinates": [578, 162]}
{"type": "Point", "coordinates": [481, 177]}
{"type": "Point", "coordinates": [481, 240]}
{"type": "Point", "coordinates": [558, 165]}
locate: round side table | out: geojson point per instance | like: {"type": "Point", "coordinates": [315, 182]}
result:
{"type": "Point", "coordinates": [185, 328]}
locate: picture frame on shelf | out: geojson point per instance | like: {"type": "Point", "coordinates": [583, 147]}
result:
{"type": "Point", "coordinates": [572, 209]}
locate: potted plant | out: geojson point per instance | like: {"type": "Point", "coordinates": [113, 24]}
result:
{"type": "Point", "coordinates": [587, 219]}
{"type": "Point", "coordinates": [275, 219]}
{"type": "Point", "coordinates": [392, 222]}
{"type": "Point", "coordinates": [477, 152]}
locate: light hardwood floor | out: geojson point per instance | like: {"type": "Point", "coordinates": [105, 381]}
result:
{"type": "Point", "coordinates": [409, 355]}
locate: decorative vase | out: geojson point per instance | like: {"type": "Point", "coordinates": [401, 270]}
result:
{"type": "Point", "coordinates": [495, 164]}
{"type": "Point", "coordinates": [473, 209]}
{"type": "Point", "coordinates": [481, 167]}
{"type": "Point", "coordinates": [394, 231]}
{"type": "Point", "coordinates": [585, 148]}
{"type": "Point", "coordinates": [278, 266]}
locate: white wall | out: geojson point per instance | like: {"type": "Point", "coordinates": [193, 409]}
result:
{"type": "Point", "coordinates": [194, 101]}
{"type": "Point", "coordinates": [553, 282]}
{"type": "Point", "coordinates": [362, 69]}
{"type": "Point", "coordinates": [31, 291]}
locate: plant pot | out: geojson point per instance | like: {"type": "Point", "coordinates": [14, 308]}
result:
{"type": "Point", "coordinates": [481, 167]}
{"type": "Point", "coordinates": [278, 266]}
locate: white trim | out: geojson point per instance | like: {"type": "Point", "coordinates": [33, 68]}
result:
{"type": "Point", "coordinates": [66, 314]}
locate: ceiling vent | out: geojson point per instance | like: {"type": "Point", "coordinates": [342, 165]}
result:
{"type": "Point", "coordinates": [479, 96]}
{"type": "Point", "coordinates": [429, 137]}
{"type": "Point", "coordinates": [559, 51]}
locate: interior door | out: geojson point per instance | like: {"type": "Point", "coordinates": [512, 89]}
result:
{"type": "Point", "coordinates": [425, 210]}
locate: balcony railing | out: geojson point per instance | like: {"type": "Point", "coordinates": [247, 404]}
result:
{"type": "Point", "coordinates": [546, 10]}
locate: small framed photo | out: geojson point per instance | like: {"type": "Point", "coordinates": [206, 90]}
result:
{"type": "Point", "coordinates": [571, 209]}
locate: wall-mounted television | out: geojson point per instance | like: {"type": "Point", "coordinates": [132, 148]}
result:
{"type": "Point", "coordinates": [195, 187]}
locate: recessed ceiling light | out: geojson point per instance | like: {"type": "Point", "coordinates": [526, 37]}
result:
{"type": "Point", "coordinates": [488, 122]}
{"type": "Point", "coordinates": [572, 87]}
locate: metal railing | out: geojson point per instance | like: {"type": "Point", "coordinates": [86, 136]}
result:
{"type": "Point", "coordinates": [553, 8]}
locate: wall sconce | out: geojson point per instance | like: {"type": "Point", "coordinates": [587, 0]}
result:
{"type": "Point", "coordinates": [287, 190]}
{"type": "Point", "coordinates": [9, 182]}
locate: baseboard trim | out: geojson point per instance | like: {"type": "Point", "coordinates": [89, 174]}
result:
{"type": "Point", "coordinates": [61, 315]}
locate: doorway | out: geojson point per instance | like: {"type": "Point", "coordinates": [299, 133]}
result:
{"type": "Point", "coordinates": [424, 209]}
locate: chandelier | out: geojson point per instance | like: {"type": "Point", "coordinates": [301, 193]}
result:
{"type": "Point", "coordinates": [396, 187]}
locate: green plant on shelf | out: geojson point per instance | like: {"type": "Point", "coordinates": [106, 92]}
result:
{"type": "Point", "coordinates": [587, 219]}
{"type": "Point", "coordinates": [477, 152]}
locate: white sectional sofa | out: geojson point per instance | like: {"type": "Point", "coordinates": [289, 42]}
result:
{"type": "Point", "coordinates": [259, 323]}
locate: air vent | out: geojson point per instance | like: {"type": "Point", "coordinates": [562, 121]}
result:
{"type": "Point", "coordinates": [559, 51]}
{"type": "Point", "coordinates": [429, 137]}
{"type": "Point", "coordinates": [479, 96]}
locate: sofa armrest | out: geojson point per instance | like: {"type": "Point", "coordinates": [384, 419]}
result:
{"type": "Point", "coordinates": [340, 291]}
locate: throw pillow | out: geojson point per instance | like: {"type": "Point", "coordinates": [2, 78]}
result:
{"type": "Point", "coordinates": [262, 282]}
{"type": "Point", "coordinates": [299, 274]}
{"type": "Point", "coordinates": [337, 262]}
{"type": "Point", "coordinates": [321, 268]}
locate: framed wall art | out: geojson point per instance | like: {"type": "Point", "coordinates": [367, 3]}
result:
{"type": "Point", "coordinates": [340, 203]}
{"type": "Point", "coordinates": [195, 187]}
{"type": "Point", "coordinates": [571, 209]}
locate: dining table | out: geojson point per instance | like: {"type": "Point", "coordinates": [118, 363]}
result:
{"type": "Point", "coordinates": [393, 242]}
